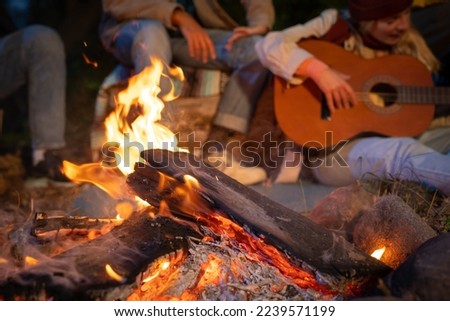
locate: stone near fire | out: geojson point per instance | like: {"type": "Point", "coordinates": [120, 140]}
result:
{"type": "Point", "coordinates": [338, 210]}
{"type": "Point", "coordinates": [391, 223]}
{"type": "Point", "coordinates": [425, 275]}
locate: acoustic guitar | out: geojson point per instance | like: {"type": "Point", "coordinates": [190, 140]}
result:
{"type": "Point", "coordinates": [395, 95]}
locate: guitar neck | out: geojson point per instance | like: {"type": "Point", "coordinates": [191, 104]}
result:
{"type": "Point", "coordinates": [423, 95]}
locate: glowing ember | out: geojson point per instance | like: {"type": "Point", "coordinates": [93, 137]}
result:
{"type": "Point", "coordinates": [31, 261]}
{"type": "Point", "coordinates": [124, 210]}
{"type": "Point", "coordinates": [89, 61]}
{"type": "Point", "coordinates": [193, 205]}
{"type": "Point", "coordinates": [92, 235]}
{"type": "Point", "coordinates": [164, 266]}
{"type": "Point", "coordinates": [114, 275]}
{"type": "Point", "coordinates": [378, 253]}
{"type": "Point", "coordinates": [3, 261]}
{"type": "Point", "coordinates": [86, 58]}
{"type": "Point", "coordinates": [158, 276]}
{"type": "Point", "coordinates": [211, 271]}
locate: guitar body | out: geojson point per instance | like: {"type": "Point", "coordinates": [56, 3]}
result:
{"type": "Point", "coordinates": [299, 109]}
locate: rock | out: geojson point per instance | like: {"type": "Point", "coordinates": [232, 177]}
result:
{"type": "Point", "coordinates": [338, 210]}
{"type": "Point", "coordinates": [391, 223]}
{"type": "Point", "coordinates": [425, 275]}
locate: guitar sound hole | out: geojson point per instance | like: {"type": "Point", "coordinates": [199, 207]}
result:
{"type": "Point", "coordinates": [383, 95]}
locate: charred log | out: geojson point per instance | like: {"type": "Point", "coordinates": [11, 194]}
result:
{"type": "Point", "coordinates": [44, 223]}
{"type": "Point", "coordinates": [287, 230]}
{"type": "Point", "coordinates": [80, 273]}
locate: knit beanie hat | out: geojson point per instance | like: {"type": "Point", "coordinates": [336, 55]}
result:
{"type": "Point", "coordinates": [376, 9]}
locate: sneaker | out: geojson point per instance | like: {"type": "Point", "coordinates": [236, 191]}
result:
{"type": "Point", "coordinates": [224, 162]}
{"type": "Point", "coordinates": [219, 135]}
{"type": "Point", "coordinates": [290, 169]}
{"type": "Point", "coordinates": [50, 167]}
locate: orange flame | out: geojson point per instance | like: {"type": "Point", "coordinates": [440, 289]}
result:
{"type": "Point", "coordinates": [134, 122]}
{"type": "Point", "coordinates": [108, 179]}
{"type": "Point", "coordinates": [158, 275]}
{"type": "Point", "coordinates": [114, 275]}
{"type": "Point", "coordinates": [164, 266]}
{"type": "Point", "coordinates": [211, 271]}
{"type": "Point", "coordinates": [132, 127]}
{"type": "Point", "coordinates": [31, 261]}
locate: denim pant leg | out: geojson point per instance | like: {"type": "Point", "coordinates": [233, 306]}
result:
{"type": "Point", "coordinates": [35, 55]}
{"type": "Point", "coordinates": [438, 139]}
{"type": "Point", "coordinates": [246, 82]}
{"type": "Point", "coordinates": [239, 99]}
{"type": "Point", "coordinates": [138, 41]}
{"type": "Point", "coordinates": [402, 158]}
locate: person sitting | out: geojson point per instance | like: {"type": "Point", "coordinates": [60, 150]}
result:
{"type": "Point", "coordinates": [34, 56]}
{"type": "Point", "coordinates": [371, 29]}
{"type": "Point", "coordinates": [198, 34]}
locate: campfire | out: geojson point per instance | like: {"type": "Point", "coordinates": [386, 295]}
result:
{"type": "Point", "coordinates": [180, 230]}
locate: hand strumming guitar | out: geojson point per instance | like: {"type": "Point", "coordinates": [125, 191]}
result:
{"type": "Point", "coordinates": [334, 85]}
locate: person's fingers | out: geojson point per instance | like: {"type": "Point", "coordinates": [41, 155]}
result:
{"type": "Point", "coordinates": [192, 47]}
{"type": "Point", "coordinates": [201, 48]}
{"type": "Point", "coordinates": [210, 50]}
{"type": "Point", "coordinates": [348, 92]}
{"type": "Point", "coordinates": [348, 97]}
{"type": "Point", "coordinates": [235, 36]}
{"type": "Point", "coordinates": [330, 102]}
{"type": "Point", "coordinates": [351, 96]}
{"type": "Point", "coordinates": [339, 99]}
{"type": "Point", "coordinates": [229, 44]}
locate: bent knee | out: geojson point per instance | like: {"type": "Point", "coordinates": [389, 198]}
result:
{"type": "Point", "coordinates": [42, 38]}
{"type": "Point", "coordinates": [152, 31]}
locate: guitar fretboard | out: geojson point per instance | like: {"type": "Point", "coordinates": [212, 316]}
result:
{"type": "Point", "coordinates": [423, 95]}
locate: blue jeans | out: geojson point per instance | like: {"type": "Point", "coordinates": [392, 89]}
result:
{"type": "Point", "coordinates": [395, 157]}
{"type": "Point", "coordinates": [138, 40]}
{"type": "Point", "coordinates": [35, 56]}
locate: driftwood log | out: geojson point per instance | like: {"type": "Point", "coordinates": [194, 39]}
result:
{"type": "Point", "coordinates": [80, 274]}
{"type": "Point", "coordinates": [287, 230]}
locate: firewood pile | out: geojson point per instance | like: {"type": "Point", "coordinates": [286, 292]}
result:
{"type": "Point", "coordinates": [173, 251]}
{"type": "Point", "coordinates": [66, 264]}
{"type": "Point", "coordinates": [234, 276]}
{"type": "Point", "coordinates": [227, 254]}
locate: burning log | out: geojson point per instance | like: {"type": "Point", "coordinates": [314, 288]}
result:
{"type": "Point", "coordinates": [44, 223]}
{"type": "Point", "coordinates": [82, 272]}
{"type": "Point", "coordinates": [287, 230]}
